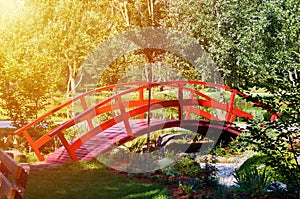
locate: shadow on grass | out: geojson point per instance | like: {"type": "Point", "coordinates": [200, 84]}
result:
{"type": "Point", "coordinates": [87, 180]}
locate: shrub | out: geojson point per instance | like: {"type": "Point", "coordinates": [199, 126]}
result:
{"type": "Point", "coordinates": [188, 166]}
{"type": "Point", "coordinates": [251, 180]}
{"type": "Point", "coordinates": [279, 140]}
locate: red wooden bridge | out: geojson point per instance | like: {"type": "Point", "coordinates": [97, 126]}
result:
{"type": "Point", "coordinates": [119, 115]}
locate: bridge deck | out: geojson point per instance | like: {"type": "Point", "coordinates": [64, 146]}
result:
{"type": "Point", "coordinates": [101, 143]}
{"type": "Point", "coordinates": [107, 139]}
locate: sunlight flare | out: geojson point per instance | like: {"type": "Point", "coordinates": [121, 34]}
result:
{"type": "Point", "coordinates": [9, 8]}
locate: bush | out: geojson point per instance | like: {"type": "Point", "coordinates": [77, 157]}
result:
{"type": "Point", "coordinates": [279, 154]}
{"type": "Point", "coordinates": [279, 140]}
{"type": "Point", "coordinates": [188, 166]}
{"type": "Point", "coordinates": [252, 181]}
{"type": "Point", "coordinates": [258, 161]}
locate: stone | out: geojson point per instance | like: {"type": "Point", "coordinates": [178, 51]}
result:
{"type": "Point", "coordinates": [277, 186]}
{"type": "Point", "coordinates": [208, 158]}
{"type": "Point", "coordinates": [220, 159]}
{"type": "Point", "coordinates": [182, 155]}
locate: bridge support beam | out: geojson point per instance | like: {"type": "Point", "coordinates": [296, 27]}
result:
{"type": "Point", "coordinates": [67, 146]}
{"type": "Point", "coordinates": [180, 99]}
{"type": "Point", "coordinates": [230, 107]}
{"type": "Point", "coordinates": [125, 116]}
{"type": "Point", "coordinates": [32, 144]}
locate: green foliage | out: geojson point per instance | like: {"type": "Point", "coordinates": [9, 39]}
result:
{"type": "Point", "coordinates": [188, 166]}
{"type": "Point", "coordinates": [22, 100]}
{"type": "Point", "coordinates": [38, 59]}
{"type": "Point", "coordinates": [195, 175]}
{"type": "Point", "coordinates": [235, 147]}
{"type": "Point", "coordinates": [186, 189]}
{"type": "Point", "coordinates": [260, 160]}
{"type": "Point", "coordinates": [27, 76]}
{"type": "Point", "coordinates": [251, 180]}
{"type": "Point", "coordinates": [278, 142]}
{"type": "Point", "coordinates": [224, 192]}
{"type": "Point", "coordinates": [248, 40]}
{"type": "Point", "coordinates": [136, 145]}
{"type": "Point", "coordinates": [6, 141]}
{"type": "Point", "coordinates": [253, 162]}
{"type": "Point", "coordinates": [31, 157]}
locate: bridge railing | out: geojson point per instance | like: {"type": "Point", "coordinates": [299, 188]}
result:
{"type": "Point", "coordinates": [35, 144]}
{"type": "Point", "coordinates": [139, 108]}
{"type": "Point", "coordinates": [128, 108]}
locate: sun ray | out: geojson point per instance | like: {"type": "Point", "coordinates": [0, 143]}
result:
{"type": "Point", "coordinates": [10, 8]}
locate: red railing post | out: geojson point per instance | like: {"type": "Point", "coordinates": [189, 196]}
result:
{"type": "Point", "coordinates": [85, 107]}
{"type": "Point", "coordinates": [180, 99]}
{"type": "Point", "coordinates": [273, 117]}
{"type": "Point", "coordinates": [188, 114]}
{"type": "Point", "coordinates": [32, 144]}
{"type": "Point", "coordinates": [232, 117]}
{"type": "Point", "coordinates": [124, 116]}
{"type": "Point", "coordinates": [141, 99]}
{"type": "Point", "coordinates": [70, 151]}
{"type": "Point", "coordinates": [230, 106]}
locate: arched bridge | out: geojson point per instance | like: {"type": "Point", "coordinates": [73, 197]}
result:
{"type": "Point", "coordinates": [116, 114]}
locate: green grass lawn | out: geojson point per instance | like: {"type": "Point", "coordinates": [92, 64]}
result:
{"type": "Point", "coordinates": [87, 180]}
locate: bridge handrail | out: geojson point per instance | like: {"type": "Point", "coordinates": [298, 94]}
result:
{"type": "Point", "coordinates": [84, 116]}
{"type": "Point", "coordinates": [164, 103]}
{"type": "Point", "coordinates": [25, 128]}
{"type": "Point", "coordinates": [109, 99]}
{"type": "Point", "coordinates": [68, 102]}
{"type": "Point", "coordinates": [140, 86]}
{"type": "Point", "coordinates": [52, 111]}
{"type": "Point", "coordinates": [236, 91]}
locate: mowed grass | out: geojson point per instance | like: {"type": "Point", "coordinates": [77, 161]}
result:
{"type": "Point", "coordinates": [87, 180]}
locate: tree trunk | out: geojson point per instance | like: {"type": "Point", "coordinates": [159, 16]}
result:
{"type": "Point", "coordinates": [150, 4]}
{"type": "Point", "coordinates": [71, 87]}
{"type": "Point", "coordinates": [71, 82]}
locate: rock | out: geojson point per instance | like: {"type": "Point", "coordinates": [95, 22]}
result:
{"type": "Point", "coordinates": [220, 159]}
{"type": "Point", "coordinates": [277, 186]}
{"type": "Point", "coordinates": [182, 155]}
{"type": "Point", "coordinates": [208, 158]}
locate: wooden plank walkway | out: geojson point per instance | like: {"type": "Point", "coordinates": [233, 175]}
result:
{"type": "Point", "coordinates": [108, 139]}
{"type": "Point", "coordinates": [103, 142]}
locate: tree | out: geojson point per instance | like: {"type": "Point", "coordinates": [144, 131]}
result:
{"type": "Point", "coordinates": [45, 50]}
{"type": "Point", "coordinates": [75, 28]}
{"type": "Point", "coordinates": [247, 40]}
{"type": "Point", "coordinates": [26, 76]}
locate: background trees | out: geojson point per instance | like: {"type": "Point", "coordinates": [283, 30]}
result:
{"type": "Point", "coordinates": [248, 40]}
{"type": "Point", "coordinates": [26, 75]}
{"type": "Point", "coordinates": [45, 42]}
{"type": "Point", "coordinates": [42, 48]}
